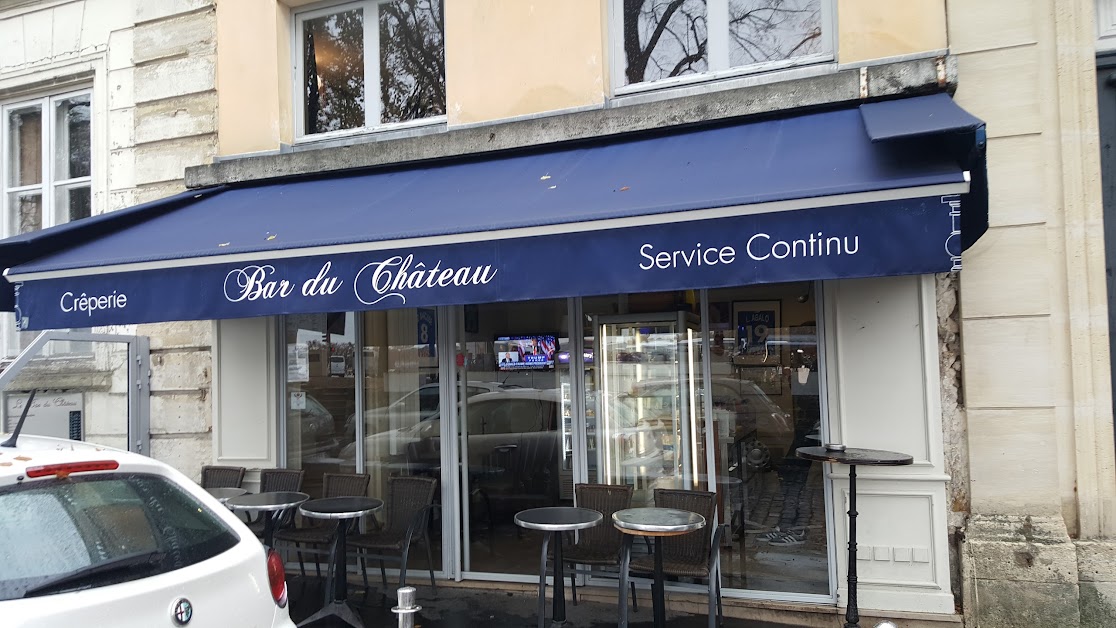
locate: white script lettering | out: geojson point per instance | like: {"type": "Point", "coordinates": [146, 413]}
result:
{"type": "Point", "coordinates": [388, 278]}
{"type": "Point", "coordinates": [251, 283]}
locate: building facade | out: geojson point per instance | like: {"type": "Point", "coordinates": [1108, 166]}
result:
{"type": "Point", "coordinates": [995, 378]}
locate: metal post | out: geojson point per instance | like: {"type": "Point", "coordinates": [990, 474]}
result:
{"type": "Point", "coordinates": [406, 608]}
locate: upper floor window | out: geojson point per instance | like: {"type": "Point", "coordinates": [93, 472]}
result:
{"type": "Point", "coordinates": [370, 64]}
{"type": "Point", "coordinates": [46, 162]}
{"type": "Point", "coordinates": [669, 41]}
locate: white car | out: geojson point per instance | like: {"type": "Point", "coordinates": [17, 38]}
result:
{"type": "Point", "coordinates": [94, 536]}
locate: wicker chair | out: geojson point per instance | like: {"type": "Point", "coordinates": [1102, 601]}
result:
{"type": "Point", "coordinates": [221, 477]}
{"type": "Point", "coordinates": [315, 535]}
{"type": "Point", "coordinates": [598, 546]}
{"type": "Point", "coordinates": [277, 480]}
{"type": "Point", "coordinates": [694, 555]}
{"type": "Point", "coordinates": [409, 503]}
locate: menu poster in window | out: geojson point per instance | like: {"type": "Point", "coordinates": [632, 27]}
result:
{"type": "Point", "coordinates": [755, 321]}
{"type": "Point", "coordinates": [298, 362]}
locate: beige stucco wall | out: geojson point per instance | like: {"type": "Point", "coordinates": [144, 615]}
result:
{"type": "Point", "coordinates": [877, 29]}
{"type": "Point", "coordinates": [507, 58]}
{"type": "Point", "coordinates": [253, 81]}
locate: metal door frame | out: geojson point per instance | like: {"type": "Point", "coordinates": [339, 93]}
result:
{"type": "Point", "coordinates": [139, 377]}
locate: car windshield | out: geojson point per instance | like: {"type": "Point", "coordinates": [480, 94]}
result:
{"type": "Point", "coordinates": [78, 533]}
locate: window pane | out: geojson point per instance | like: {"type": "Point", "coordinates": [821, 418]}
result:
{"type": "Point", "coordinates": [25, 133]}
{"type": "Point", "coordinates": [25, 212]}
{"type": "Point", "coordinates": [412, 60]}
{"type": "Point", "coordinates": [664, 38]}
{"type": "Point", "coordinates": [773, 30]}
{"type": "Point", "coordinates": [72, 203]}
{"type": "Point", "coordinates": [334, 63]}
{"type": "Point", "coordinates": [71, 149]}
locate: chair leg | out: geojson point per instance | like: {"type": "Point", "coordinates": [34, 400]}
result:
{"type": "Point", "coordinates": [712, 613]}
{"type": "Point", "coordinates": [635, 604]}
{"type": "Point", "coordinates": [383, 576]}
{"type": "Point", "coordinates": [720, 611]}
{"type": "Point", "coordinates": [625, 561]}
{"type": "Point", "coordinates": [430, 564]}
{"type": "Point", "coordinates": [403, 566]}
{"type": "Point", "coordinates": [363, 571]}
{"type": "Point", "coordinates": [573, 583]}
{"type": "Point", "coordinates": [301, 566]}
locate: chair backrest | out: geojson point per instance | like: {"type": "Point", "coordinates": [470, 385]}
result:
{"type": "Point", "coordinates": [345, 484]}
{"type": "Point", "coordinates": [221, 477]}
{"type": "Point", "coordinates": [407, 494]}
{"type": "Point", "coordinates": [281, 480]}
{"type": "Point", "coordinates": [694, 547]}
{"type": "Point", "coordinates": [605, 499]}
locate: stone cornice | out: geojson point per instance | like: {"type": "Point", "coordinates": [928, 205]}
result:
{"type": "Point", "coordinates": [902, 78]}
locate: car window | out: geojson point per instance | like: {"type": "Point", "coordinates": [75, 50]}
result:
{"type": "Point", "coordinates": [56, 527]}
{"type": "Point", "coordinates": [429, 399]}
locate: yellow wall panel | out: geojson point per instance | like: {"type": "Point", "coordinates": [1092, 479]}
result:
{"type": "Point", "coordinates": [877, 29]}
{"type": "Point", "coordinates": [253, 82]}
{"type": "Point", "coordinates": [507, 58]}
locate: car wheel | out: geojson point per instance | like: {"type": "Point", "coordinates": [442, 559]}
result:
{"type": "Point", "coordinates": [756, 455]}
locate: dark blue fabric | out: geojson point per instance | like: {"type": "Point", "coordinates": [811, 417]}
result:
{"type": "Point", "coordinates": [819, 154]}
{"type": "Point", "coordinates": [899, 237]}
{"type": "Point", "coordinates": [916, 117]}
{"type": "Point", "coordinates": [814, 155]}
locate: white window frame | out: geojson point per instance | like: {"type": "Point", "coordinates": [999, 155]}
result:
{"type": "Point", "coordinates": [48, 186]}
{"type": "Point", "coordinates": [372, 106]}
{"type": "Point", "coordinates": [717, 51]}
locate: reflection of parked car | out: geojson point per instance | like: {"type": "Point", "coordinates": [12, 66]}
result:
{"type": "Point", "coordinates": [316, 428]}
{"type": "Point", "coordinates": [418, 405]}
{"type": "Point", "coordinates": [94, 535]}
{"type": "Point", "coordinates": [513, 445]}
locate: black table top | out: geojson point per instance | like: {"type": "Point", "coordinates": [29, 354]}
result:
{"type": "Point", "coordinates": [851, 456]}
{"type": "Point", "coordinates": [657, 520]}
{"type": "Point", "coordinates": [558, 518]}
{"type": "Point", "coordinates": [340, 507]}
{"type": "Point", "coordinates": [224, 493]}
{"type": "Point", "coordinates": [274, 500]}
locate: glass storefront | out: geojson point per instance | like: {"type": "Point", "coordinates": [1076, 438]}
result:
{"type": "Point", "coordinates": [653, 390]}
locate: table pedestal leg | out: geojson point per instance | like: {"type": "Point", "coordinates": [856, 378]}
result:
{"type": "Point", "coordinates": [336, 604]}
{"type": "Point", "coordinates": [852, 613]}
{"type": "Point", "coordinates": [657, 592]}
{"type": "Point", "coordinates": [559, 614]}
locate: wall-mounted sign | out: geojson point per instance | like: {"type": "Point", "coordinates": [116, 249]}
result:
{"type": "Point", "coordinates": [51, 414]}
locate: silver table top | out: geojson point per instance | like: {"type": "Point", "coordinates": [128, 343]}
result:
{"type": "Point", "coordinates": [224, 494]}
{"type": "Point", "coordinates": [266, 502]}
{"type": "Point", "coordinates": [657, 520]}
{"type": "Point", "coordinates": [558, 518]}
{"type": "Point", "coordinates": [340, 507]}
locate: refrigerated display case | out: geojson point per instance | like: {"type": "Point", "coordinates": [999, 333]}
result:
{"type": "Point", "coordinates": [647, 402]}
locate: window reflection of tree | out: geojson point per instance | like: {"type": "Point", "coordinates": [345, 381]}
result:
{"type": "Point", "coordinates": [412, 60]}
{"type": "Point", "coordinates": [666, 38]}
{"type": "Point", "coordinates": [334, 63]}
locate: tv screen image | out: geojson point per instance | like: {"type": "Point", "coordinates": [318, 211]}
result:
{"type": "Point", "coordinates": [535, 351]}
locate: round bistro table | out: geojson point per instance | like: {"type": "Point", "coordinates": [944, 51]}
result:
{"type": "Point", "coordinates": [854, 458]}
{"type": "Point", "coordinates": [273, 504]}
{"type": "Point", "coordinates": [555, 520]}
{"type": "Point", "coordinates": [656, 523]}
{"type": "Point", "coordinates": [341, 510]}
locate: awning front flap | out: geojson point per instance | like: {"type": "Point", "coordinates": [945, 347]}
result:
{"type": "Point", "coordinates": [796, 198]}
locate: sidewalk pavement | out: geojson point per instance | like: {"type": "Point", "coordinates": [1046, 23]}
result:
{"type": "Point", "coordinates": [480, 608]}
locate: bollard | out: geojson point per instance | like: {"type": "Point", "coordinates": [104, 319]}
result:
{"type": "Point", "coordinates": [406, 608]}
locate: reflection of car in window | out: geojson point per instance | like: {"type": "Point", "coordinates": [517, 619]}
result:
{"type": "Point", "coordinates": [513, 445]}
{"type": "Point", "coordinates": [337, 366]}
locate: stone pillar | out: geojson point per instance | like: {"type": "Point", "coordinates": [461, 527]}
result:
{"type": "Point", "coordinates": [174, 57]}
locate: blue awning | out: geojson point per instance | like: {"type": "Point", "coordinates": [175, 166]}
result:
{"type": "Point", "coordinates": [814, 196]}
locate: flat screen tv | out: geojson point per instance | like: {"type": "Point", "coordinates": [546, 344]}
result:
{"type": "Point", "coordinates": [531, 351]}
